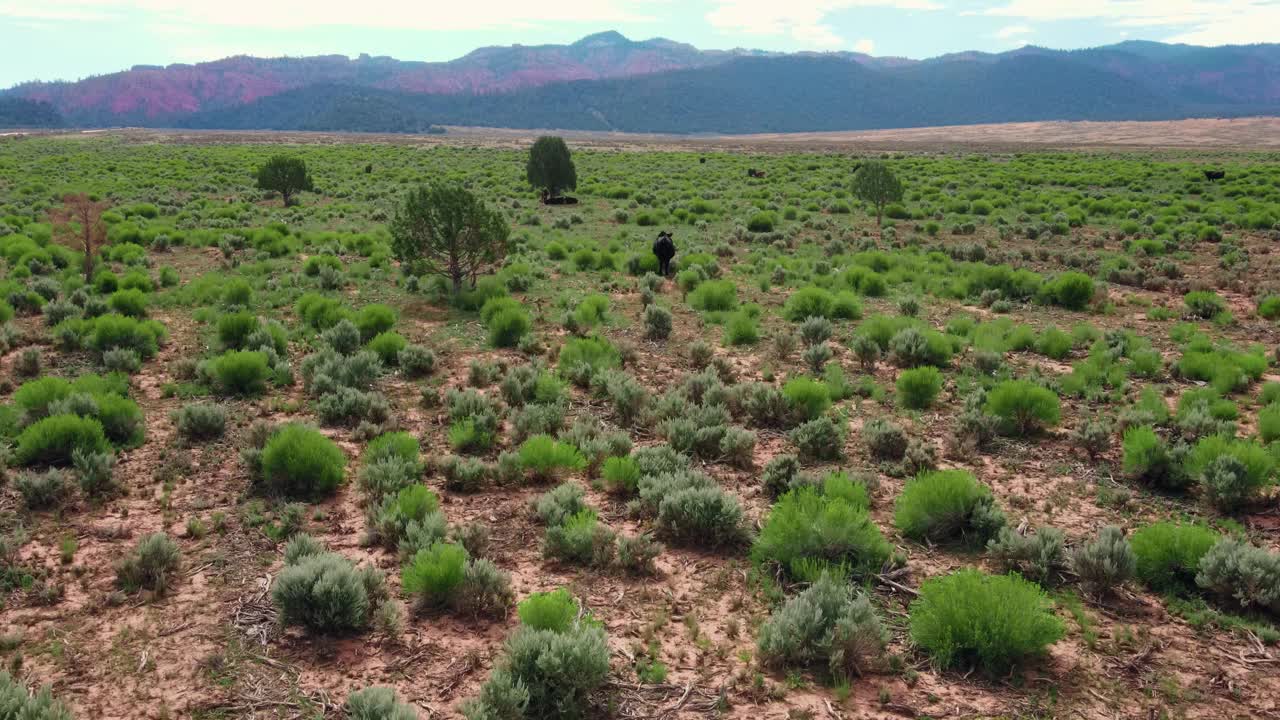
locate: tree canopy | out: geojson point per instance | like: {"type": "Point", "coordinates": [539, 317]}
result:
{"type": "Point", "coordinates": [875, 183]}
{"type": "Point", "coordinates": [444, 229]}
{"type": "Point", "coordinates": [550, 167]}
{"type": "Point", "coordinates": [286, 175]}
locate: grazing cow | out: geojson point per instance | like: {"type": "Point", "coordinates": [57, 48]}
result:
{"type": "Point", "coordinates": [1212, 175]}
{"type": "Point", "coordinates": [752, 172]}
{"type": "Point", "coordinates": [665, 249]}
{"type": "Point", "coordinates": [702, 161]}
{"type": "Point", "coordinates": [547, 199]}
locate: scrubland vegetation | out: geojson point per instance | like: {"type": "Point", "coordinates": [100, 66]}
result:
{"type": "Point", "coordinates": [405, 442]}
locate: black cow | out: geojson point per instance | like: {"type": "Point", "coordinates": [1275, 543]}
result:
{"type": "Point", "coordinates": [665, 249]}
{"type": "Point", "coordinates": [1212, 175]}
{"type": "Point", "coordinates": [548, 199]}
{"type": "Point", "coordinates": [752, 172]}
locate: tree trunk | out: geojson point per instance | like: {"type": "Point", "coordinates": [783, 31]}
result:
{"type": "Point", "coordinates": [880, 220]}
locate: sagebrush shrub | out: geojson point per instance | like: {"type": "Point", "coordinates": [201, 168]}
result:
{"type": "Point", "coordinates": [657, 322]}
{"type": "Point", "coordinates": [827, 625]}
{"type": "Point", "coordinates": [581, 359]}
{"type": "Point", "coordinates": [780, 474]}
{"type": "Point", "coordinates": [1023, 406]}
{"type": "Point", "coordinates": [401, 445]}
{"type": "Point", "coordinates": [377, 703]}
{"type": "Point", "coordinates": [1105, 563]}
{"type": "Point", "coordinates": [302, 546]}
{"type": "Point", "coordinates": [993, 622]}
{"type": "Point", "coordinates": [416, 361]}
{"type": "Point", "coordinates": [17, 703]}
{"type": "Point", "coordinates": [95, 471]}
{"type": "Point", "coordinates": [1246, 575]}
{"type": "Point", "coordinates": [919, 387]}
{"type": "Point", "coordinates": [885, 439]}
{"type": "Point", "coordinates": [323, 592]}
{"type": "Point", "coordinates": [1230, 470]}
{"type": "Point", "coordinates": [636, 553]}
{"type": "Point", "coordinates": [808, 529]}
{"type": "Point", "coordinates": [1204, 305]}
{"type": "Point", "coordinates": [152, 565]}
{"type": "Point", "coordinates": [234, 329]}
{"type": "Point", "coordinates": [485, 590]}
{"type": "Point", "coordinates": [820, 439]}
{"type": "Point", "coordinates": [200, 421]}
{"type": "Point", "coordinates": [1168, 554]}
{"type": "Point", "coordinates": [545, 674]}
{"type": "Point", "coordinates": [1039, 556]}
{"type": "Point", "coordinates": [706, 516]}
{"type": "Point", "coordinates": [580, 538]}
{"type": "Point", "coordinates": [559, 504]}
{"type": "Point", "coordinates": [298, 462]}
{"type": "Point", "coordinates": [947, 505]}
{"type": "Point", "coordinates": [43, 491]}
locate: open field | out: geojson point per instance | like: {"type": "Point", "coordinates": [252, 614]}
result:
{"type": "Point", "coordinates": [1077, 339]}
{"type": "Point", "coordinates": [1240, 134]}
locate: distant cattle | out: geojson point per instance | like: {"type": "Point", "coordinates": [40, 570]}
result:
{"type": "Point", "coordinates": [702, 160]}
{"type": "Point", "coordinates": [752, 172]}
{"type": "Point", "coordinates": [547, 199]}
{"type": "Point", "coordinates": [1212, 175]}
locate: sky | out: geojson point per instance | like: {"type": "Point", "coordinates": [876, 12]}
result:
{"type": "Point", "coordinates": [70, 39]}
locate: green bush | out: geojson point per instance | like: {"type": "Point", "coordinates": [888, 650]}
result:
{"type": "Point", "coordinates": [1168, 555]}
{"type": "Point", "coordinates": [555, 610]}
{"type": "Point", "coordinates": [240, 372]}
{"type": "Point", "coordinates": [912, 347]}
{"type": "Point", "coordinates": [1053, 343]}
{"type": "Point", "coordinates": [373, 320]}
{"type": "Point", "coordinates": [238, 292]}
{"type": "Point", "coordinates": [1071, 290]}
{"type": "Point", "coordinates": [152, 565]}
{"type": "Point", "coordinates": [1147, 458]}
{"type": "Point", "coordinates": [53, 440]}
{"type": "Point", "coordinates": [1204, 305]}
{"type": "Point", "coordinates": [545, 458]}
{"type": "Point", "coordinates": [993, 622]}
{"type": "Point", "coordinates": [234, 329]}
{"type": "Point", "coordinates": [508, 326]}
{"type": "Point", "coordinates": [581, 359]}
{"type": "Point", "coordinates": [1023, 406]}
{"type": "Point", "coordinates": [107, 332]}
{"type": "Point", "coordinates": [434, 575]}
{"type": "Point", "coordinates": [1269, 307]}
{"type": "Point", "coordinates": [919, 387]}
{"type": "Point", "coordinates": [401, 445]}
{"type": "Point", "coordinates": [741, 329]}
{"type": "Point", "coordinates": [1269, 423]}
{"type": "Point", "coordinates": [809, 302]}
{"type": "Point", "coordinates": [827, 624]}
{"type": "Point", "coordinates": [621, 475]}
{"type": "Point", "coordinates": [808, 398]}
{"type": "Point", "coordinates": [714, 296]}
{"type": "Point", "coordinates": [387, 346]}
{"type": "Point", "coordinates": [762, 222]}
{"type": "Point", "coordinates": [130, 303]}
{"type": "Point", "coordinates": [320, 312]}
{"type": "Point", "coordinates": [809, 532]}
{"type": "Point", "coordinates": [945, 505]}
{"type": "Point", "coordinates": [299, 462]}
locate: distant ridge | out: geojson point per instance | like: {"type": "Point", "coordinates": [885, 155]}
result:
{"type": "Point", "coordinates": [606, 81]}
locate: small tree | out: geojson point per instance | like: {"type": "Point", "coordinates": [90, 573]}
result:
{"type": "Point", "coordinates": [285, 175]}
{"type": "Point", "coordinates": [875, 183]}
{"type": "Point", "coordinates": [446, 230]}
{"type": "Point", "coordinates": [79, 223]}
{"type": "Point", "coordinates": [550, 168]}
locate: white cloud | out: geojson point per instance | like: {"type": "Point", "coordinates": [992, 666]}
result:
{"type": "Point", "coordinates": [802, 20]}
{"type": "Point", "coordinates": [294, 14]}
{"type": "Point", "coordinates": [1010, 31]}
{"type": "Point", "coordinates": [1204, 22]}
{"type": "Point", "coordinates": [865, 46]}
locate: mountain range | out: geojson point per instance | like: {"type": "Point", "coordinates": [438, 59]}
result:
{"type": "Point", "coordinates": [608, 82]}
